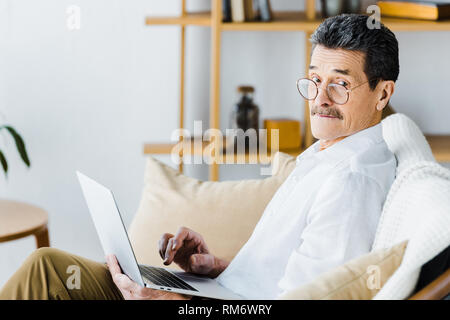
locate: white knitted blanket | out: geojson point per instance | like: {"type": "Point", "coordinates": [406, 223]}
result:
{"type": "Point", "coordinates": [417, 206]}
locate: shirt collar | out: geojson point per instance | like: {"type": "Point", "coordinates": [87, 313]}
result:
{"type": "Point", "coordinates": [346, 147]}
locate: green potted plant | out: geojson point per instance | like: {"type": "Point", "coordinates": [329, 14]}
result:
{"type": "Point", "coordinates": [19, 144]}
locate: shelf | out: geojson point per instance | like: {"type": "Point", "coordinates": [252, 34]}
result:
{"type": "Point", "coordinates": [440, 145]}
{"type": "Point", "coordinates": [158, 148]}
{"type": "Point", "coordinates": [291, 21]}
{"type": "Point", "coordinates": [166, 148]}
{"type": "Point", "coordinates": [197, 148]}
{"type": "Point", "coordinates": [282, 21]}
{"type": "Point", "coordinates": [194, 18]}
{"type": "Point", "coordinates": [396, 24]}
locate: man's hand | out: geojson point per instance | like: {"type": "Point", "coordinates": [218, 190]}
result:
{"type": "Point", "coordinates": [188, 250]}
{"type": "Point", "coordinates": [132, 291]}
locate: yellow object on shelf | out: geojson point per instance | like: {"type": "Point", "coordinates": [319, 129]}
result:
{"type": "Point", "coordinates": [415, 10]}
{"type": "Point", "coordinates": [289, 133]}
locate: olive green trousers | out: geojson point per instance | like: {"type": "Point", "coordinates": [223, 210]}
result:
{"type": "Point", "coordinates": [52, 274]}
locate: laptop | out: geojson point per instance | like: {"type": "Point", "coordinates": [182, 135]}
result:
{"type": "Point", "coordinates": [114, 239]}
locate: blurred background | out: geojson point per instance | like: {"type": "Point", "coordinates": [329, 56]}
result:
{"type": "Point", "coordinates": [88, 99]}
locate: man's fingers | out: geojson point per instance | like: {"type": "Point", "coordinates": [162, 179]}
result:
{"type": "Point", "coordinates": [170, 253]}
{"type": "Point", "coordinates": [185, 235]}
{"type": "Point", "coordinates": [201, 263]}
{"type": "Point", "coordinates": [113, 265]}
{"type": "Point", "coordinates": [126, 285]}
{"type": "Point", "coordinates": [122, 281]}
{"type": "Point", "coordinates": [175, 243]}
{"type": "Point", "coordinates": [162, 244]}
{"type": "Point", "coordinates": [182, 234]}
{"type": "Point", "coordinates": [181, 238]}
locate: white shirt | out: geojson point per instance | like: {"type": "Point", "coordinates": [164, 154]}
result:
{"type": "Point", "coordinates": [324, 214]}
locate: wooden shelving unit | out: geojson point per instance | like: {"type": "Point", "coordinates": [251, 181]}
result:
{"type": "Point", "coordinates": [188, 19]}
{"type": "Point", "coordinates": [283, 21]}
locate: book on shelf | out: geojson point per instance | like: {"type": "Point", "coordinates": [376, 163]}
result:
{"type": "Point", "coordinates": [264, 9]}
{"type": "Point", "coordinates": [237, 11]}
{"type": "Point", "coordinates": [415, 9]}
{"type": "Point", "coordinates": [226, 10]}
{"type": "Point", "coordinates": [249, 10]}
{"type": "Point", "coordinates": [246, 10]}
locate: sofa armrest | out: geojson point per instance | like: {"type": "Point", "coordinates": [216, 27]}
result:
{"type": "Point", "coordinates": [436, 290]}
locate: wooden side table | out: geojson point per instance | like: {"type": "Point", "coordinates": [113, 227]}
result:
{"type": "Point", "coordinates": [18, 220]}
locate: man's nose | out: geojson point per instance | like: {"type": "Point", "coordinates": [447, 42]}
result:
{"type": "Point", "coordinates": [322, 99]}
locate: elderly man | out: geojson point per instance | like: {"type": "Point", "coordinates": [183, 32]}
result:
{"type": "Point", "coordinates": [324, 214]}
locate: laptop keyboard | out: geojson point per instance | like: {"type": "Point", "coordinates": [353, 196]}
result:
{"type": "Point", "coordinates": [162, 277]}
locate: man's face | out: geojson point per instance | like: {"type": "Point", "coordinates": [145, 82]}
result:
{"type": "Point", "coordinates": [344, 67]}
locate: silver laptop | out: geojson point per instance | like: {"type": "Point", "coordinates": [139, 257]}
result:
{"type": "Point", "coordinates": [114, 239]}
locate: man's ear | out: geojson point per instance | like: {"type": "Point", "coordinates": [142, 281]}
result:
{"type": "Point", "coordinates": [386, 91]}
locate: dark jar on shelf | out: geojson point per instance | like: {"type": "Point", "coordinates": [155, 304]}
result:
{"type": "Point", "coordinates": [335, 7]}
{"type": "Point", "coordinates": [245, 115]}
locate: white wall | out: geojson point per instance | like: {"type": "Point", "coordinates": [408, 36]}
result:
{"type": "Point", "coordinates": [88, 99]}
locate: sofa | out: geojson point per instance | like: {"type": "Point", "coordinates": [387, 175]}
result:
{"type": "Point", "coordinates": [413, 231]}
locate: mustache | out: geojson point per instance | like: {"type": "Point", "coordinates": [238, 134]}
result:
{"type": "Point", "coordinates": [326, 112]}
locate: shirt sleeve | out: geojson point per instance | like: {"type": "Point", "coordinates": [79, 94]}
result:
{"type": "Point", "coordinates": [341, 225]}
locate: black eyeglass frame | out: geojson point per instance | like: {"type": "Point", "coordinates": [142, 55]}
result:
{"type": "Point", "coordinates": [347, 90]}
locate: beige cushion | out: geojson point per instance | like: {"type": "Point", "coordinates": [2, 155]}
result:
{"type": "Point", "coordinates": [358, 279]}
{"type": "Point", "coordinates": [225, 213]}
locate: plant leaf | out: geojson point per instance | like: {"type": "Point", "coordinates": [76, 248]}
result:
{"type": "Point", "coordinates": [19, 144]}
{"type": "Point", "coordinates": [4, 163]}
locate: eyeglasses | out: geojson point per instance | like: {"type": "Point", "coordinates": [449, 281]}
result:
{"type": "Point", "coordinates": [337, 93]}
